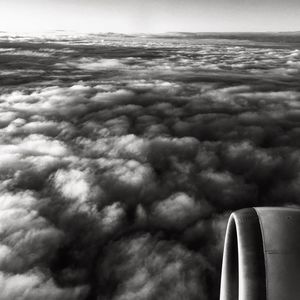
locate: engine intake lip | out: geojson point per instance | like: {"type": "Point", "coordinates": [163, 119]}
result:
{"type": "Point", "coordinates": [243, 270]}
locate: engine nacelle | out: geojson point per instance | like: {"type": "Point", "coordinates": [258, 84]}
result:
{"type": "Point", "coordinates": [261, 259]}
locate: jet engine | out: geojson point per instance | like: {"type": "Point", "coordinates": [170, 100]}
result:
{"type": "Point", "coordinates": [261, 259]}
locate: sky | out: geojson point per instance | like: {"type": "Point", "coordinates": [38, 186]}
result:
{"type": "Point", "coordinates": [131, 16]}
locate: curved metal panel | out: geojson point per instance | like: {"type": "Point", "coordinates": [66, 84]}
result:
{"type": "Point", "coordinates": [243, 270]}
{"type": "Point", "coordinates": [261, 259]}
{"type": "Point", "coordinates": [281, 233]}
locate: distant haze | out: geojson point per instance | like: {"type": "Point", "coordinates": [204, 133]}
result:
{"type": "Point", "coordinates": [149, 16]}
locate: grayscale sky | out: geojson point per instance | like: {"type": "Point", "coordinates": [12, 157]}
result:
{"type": "Point", "coordinates": [149, 16]}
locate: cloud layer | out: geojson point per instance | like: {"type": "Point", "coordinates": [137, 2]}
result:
{"type": "Point", "coordinates": [122, 157]}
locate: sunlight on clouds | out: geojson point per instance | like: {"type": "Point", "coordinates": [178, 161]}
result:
{"type": "Point", "coordinates": [122, 157]}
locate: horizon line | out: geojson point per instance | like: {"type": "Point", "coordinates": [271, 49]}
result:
{"type": "Point", "coordinates": [62, 31]}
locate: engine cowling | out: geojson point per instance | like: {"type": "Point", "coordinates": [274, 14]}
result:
{"type": "Point", "coordinates": [261, 259]}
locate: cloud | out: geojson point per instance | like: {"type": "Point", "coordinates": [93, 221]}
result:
{"type": "Point", "coordinates": [112, 217]}
{"type": "Point", "coordinates": [76, 186]}
{"type": "Point", "coordinates": [121, 160]}
{"type": "Point", "coordinates": [96, 65]}
{"type": "Point", "coordinates": [227, 190]}
{"type": "Point", "coordinates": [28, 243]}
{"type": "Point", "coordinates": [177, 211]}
{"type": "Point", "coordinates": [147, 268]}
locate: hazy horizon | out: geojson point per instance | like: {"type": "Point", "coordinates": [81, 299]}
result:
{"type": "Point", "coordinates": [149, 16]}
{"type": "Point", "coordinates": [166, 33]}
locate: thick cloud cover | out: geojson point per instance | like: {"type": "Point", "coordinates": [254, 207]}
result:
{"type": "Point", "coordinates": [122, 157]}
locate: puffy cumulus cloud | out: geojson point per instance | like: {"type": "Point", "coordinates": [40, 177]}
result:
{"type": "Point", "coordinates": [28, 244]}
{"type": "Point", "coordinates": [92, 64]}
{"type": "Point", "coordinates": [163, 148]}
{"type": "Point", "coordinates": [156, 87]}
{"type": "Point", "coordinates": [127, 180]}
{"type": "Point", "coordinates": [35, 286]}
{"type": "Point", "coordinates": [245, 158]}
{"type": "Point", "coordinates": [47, 128]}
{"type": "Point", "coordinates": [114, 97]}
{"type": "Point", "coordinates": [146, 268]}
{"type": "Point", "coordinates": [227, 190]}
{"type": "Point", "coordinates": [77, 187]}
{"type": "Point", "coordinates": [122, 158]}
{"type": "Point", "coordinates": [11, 162]}
{"type": "Point", "coordinates": [124, 146]}
{"type": "Point", "coordinates": [207, 236]}
{"type": "Point", "coordinates": [37, 145]}
{"type": "Point", "coordinates": [112, 217]}
{"type": "Point", "coordinates": [6, 117]}
{"type": "Point", "coordinates": [50, 100]}
{"type": "Point", "coordinates": [178, 211]}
